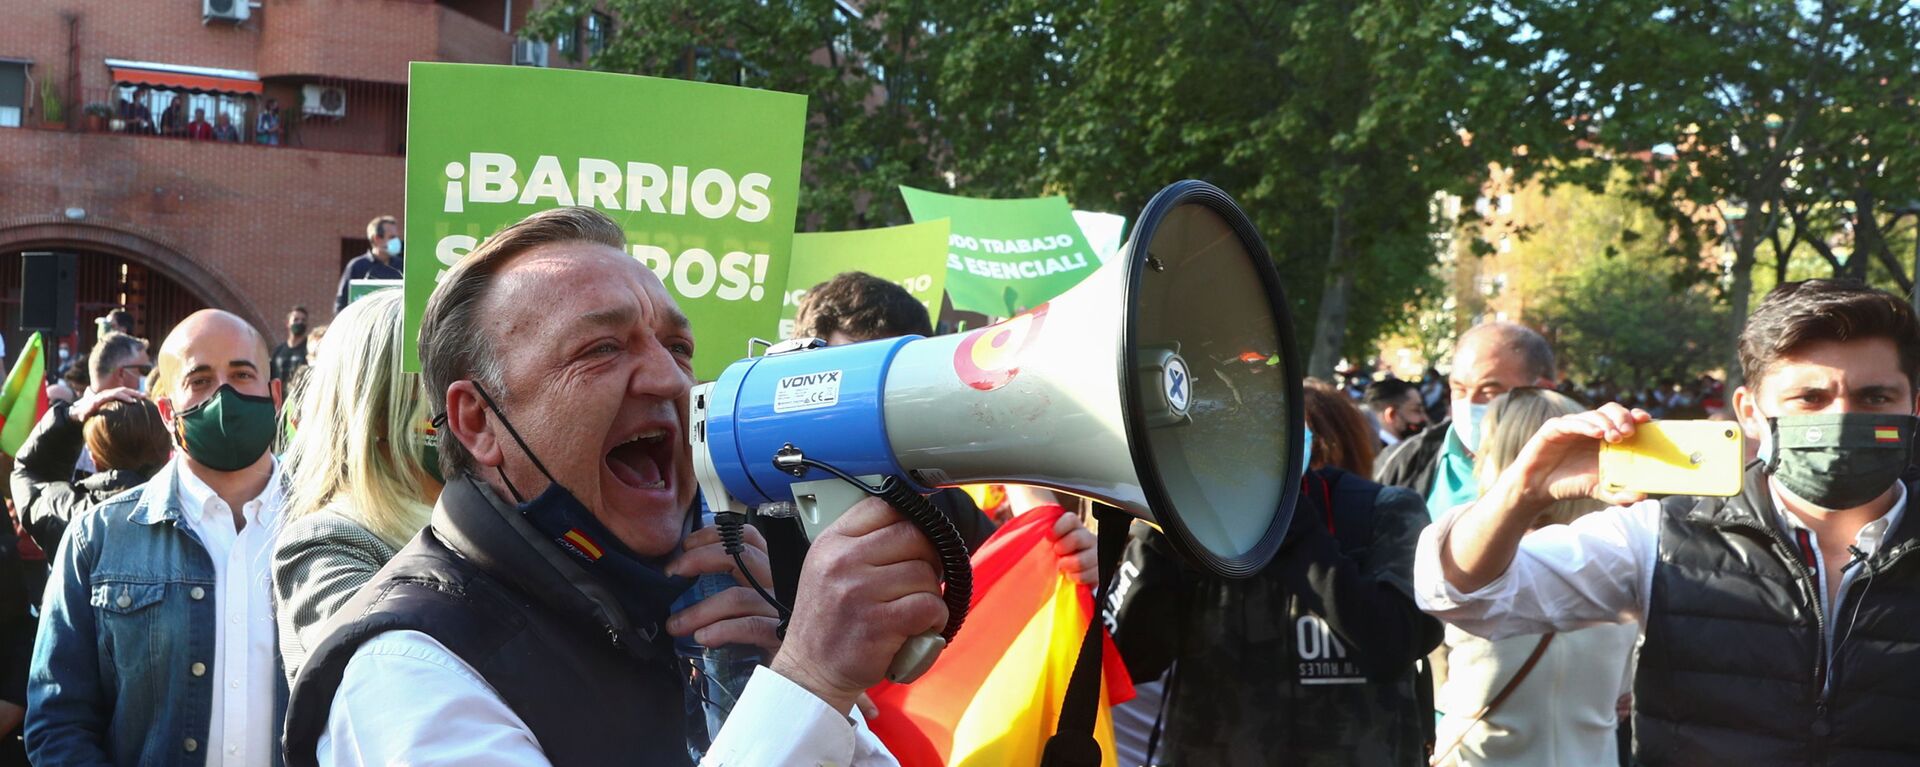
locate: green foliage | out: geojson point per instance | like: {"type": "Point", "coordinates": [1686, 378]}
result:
{"type": "Point", "coordinates": [1333, 122]}
{"type": "Point", "coordinates": [1753, 123]}
{"type": "Point", "coordinates": [1330, 121]}
{"type": "Point", "coordinates": [51, 108]}
{"type": "Point", "coordinates": [1767, 132]}
{"type": "Point", "coordinates": [1622, 308]}
{"type": "Point", "coordinates": [861, 145]}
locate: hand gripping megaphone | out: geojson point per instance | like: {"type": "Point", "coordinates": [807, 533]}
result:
{"type": "Point", "coordinates": [1165, 385]}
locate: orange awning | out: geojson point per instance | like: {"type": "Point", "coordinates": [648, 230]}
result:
{"type": "Point", "coordinates": [183, 78]}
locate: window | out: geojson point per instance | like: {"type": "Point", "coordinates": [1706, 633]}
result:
{"type": "Point", "coordinates": [718, 66]}
{"type": "Point", "coordinates": [568, 41]}
{"type": "Point", "coordinates": [599, 26]}
{"type": "Point", "coordinates": [844, 16]}
{"type": "Point", "coordinates": [13, 93]}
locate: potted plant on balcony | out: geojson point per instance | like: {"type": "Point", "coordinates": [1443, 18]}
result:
{"type": "Point", "coordinates": [53, 114]}
{"type": "Point", "coordinates": [97, 116]}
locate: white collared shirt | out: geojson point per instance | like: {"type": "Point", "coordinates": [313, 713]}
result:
{"type": "Point", "coordinates": [452, 716]}
{"type": "Point", "coordinates": [245, 667]}
{"type": "Point", "coordinates": [1597, 570]}
{"type": "Point", "coordinates": [1387, 437]}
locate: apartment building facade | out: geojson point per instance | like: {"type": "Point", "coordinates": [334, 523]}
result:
{"type": "Point", "coordinates": [213, 153]}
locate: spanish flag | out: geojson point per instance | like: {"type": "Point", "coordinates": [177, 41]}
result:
{"type": "Point", "coordinates": [24, 397]}
{"type": "Point", "coordinates": [1886, 434]}
{"type": "Point", "coordinates": [994, 696]}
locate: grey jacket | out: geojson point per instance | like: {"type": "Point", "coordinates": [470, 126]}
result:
{"type": "Point", "coordinates": [319, 561]}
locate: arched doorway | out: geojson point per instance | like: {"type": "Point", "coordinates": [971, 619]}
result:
{"type": "Point", "coordinates": [114, 268]}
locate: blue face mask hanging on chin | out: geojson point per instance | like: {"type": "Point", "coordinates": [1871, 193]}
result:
{"type": "Point", "coordinates": [645, 591]}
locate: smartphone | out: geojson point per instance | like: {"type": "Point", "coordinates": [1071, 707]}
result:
{"type": "Point", "coordinates": [1676, 458]}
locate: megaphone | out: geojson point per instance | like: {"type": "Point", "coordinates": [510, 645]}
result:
{"type": "Point", "coordinates": [1165, 385]}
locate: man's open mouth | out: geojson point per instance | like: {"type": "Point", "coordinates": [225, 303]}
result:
{"type": "Point", "coordinates": [644, 461]}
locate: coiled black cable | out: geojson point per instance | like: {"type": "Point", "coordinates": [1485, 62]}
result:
{"type": "Point", "coordinates": [956, 569]}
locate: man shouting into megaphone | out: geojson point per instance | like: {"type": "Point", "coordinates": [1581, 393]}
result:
{"type": "Point", "coordinates": [531, 622]}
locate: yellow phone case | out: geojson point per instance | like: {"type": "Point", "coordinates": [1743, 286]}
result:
{"type": "Point", "coordinates": [1676, 458]}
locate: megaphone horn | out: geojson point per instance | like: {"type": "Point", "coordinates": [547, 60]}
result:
{"type": "Point", "coordinates": [1166, 384]}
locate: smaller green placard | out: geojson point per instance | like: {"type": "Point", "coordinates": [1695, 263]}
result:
{"type": "Point", "coordinates": [358, 289]}
{"type": "Point", "coordinates": [913, 256]}
{"type": "Point", "coordinates": [1006, 256]}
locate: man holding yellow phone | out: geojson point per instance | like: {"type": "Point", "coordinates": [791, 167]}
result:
{"type": "Point", "coordinates": [1780, 624]}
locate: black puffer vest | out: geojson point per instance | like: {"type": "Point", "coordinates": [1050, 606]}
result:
{"type": "Point", "coordinates": [1736, 669]}
{"type": "Point", "coordinates": [546, 635]}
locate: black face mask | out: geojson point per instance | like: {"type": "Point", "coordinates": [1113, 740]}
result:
{"type": "Point", "coordinates": [644, 589]}
{"type": "Point", "coordinates": [298, 328]}
{"type": "Point", "coordinates": [1415, 428]}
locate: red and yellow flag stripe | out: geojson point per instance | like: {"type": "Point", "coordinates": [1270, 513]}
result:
{"type": "Point", "coordinates": [994, 696]}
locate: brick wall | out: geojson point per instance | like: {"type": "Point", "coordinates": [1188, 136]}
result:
{"type": "Point", "coordinates": [352, 39]}
{"type": "Point", "coordinates": [167, 31]}
{"type": "Point", "coordinates": [265, 220]}
{"type": "Point", "coordinates": [265, 223]}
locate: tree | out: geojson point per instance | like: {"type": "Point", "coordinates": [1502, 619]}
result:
{"type": "Point", "coordinates": [1332, 122]}
{"type": "Point", "coordinates": [1744, 116]}
{"type": "Point", "coordinates": [1623, 309]}
{"type": "Point", "coordinates": [861, 144]}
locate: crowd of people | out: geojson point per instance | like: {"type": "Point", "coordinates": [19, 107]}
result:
{"type": "Point", "coordinates": [241, 551]}
{"type": "Point", "coordinates": [176, 113]}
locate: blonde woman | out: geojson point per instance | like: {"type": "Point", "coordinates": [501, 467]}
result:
{"type": "Point", "coordinates": [359, 480]}
{"type": "Point", "coordinates": [1564, 711]}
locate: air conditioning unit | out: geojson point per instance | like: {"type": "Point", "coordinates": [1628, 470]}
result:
{"type": "Point", "coordinates": [323, 101]}
{"type": "Point", "coordinates": [234, 11]}
{"type": "Point", "coordinates": [530, 53]}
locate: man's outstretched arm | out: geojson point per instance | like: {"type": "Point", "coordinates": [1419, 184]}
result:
{"type": "Point", "coordinates": [1481, 568]}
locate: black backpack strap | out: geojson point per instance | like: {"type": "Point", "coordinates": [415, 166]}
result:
{"type": "Point", "coordinates": [1072, 744]}
{"type": "Point", "coordinates": [1352, 500]}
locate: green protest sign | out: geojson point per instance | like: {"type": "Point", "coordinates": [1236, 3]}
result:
{"type": "Point", "coordinates": [358, 289]}
{"type": "Point", "coordinates": [1006, 256]}
{"type": "Point", "coordinates": [913, 256]}
{"type": "Point", "coordinates": [703, 178]}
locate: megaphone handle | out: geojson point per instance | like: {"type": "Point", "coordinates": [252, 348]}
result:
{"type": "Point", "coordinates": [915, 657]}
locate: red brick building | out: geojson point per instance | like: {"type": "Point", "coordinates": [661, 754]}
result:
{"type": "Point", "coordinates": [165, 223]}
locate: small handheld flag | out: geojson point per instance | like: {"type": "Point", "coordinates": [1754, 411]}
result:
{"type": "Point", "coordinates": [24, 397]}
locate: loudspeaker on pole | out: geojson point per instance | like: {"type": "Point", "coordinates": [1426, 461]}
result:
{"type": "Point", "coordinates": [47, 292]}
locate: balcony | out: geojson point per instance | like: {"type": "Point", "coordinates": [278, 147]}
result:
{"type": "Point", "coordinates": [348, 116]}
{"type": "Point", "coordinates": [371, 40]}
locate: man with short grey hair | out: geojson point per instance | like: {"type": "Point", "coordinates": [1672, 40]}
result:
{"type": "Point", "coordinates": [118, 361]}
{"type": "Point", "coordinates": [532, 622]}
{"type": "Point", "coordinates": [1488, 361]}
{"type": "Point", "coordinates": [118, 366]}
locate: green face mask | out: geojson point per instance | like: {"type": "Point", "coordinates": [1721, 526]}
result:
{"type": "Point", "coordinates": [228, 431]}
{"type": "Point", "coordinates": [1838, 461]}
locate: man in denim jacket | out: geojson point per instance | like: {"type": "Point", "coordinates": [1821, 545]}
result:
{"type": "Point", "coordinates": [156, 641]}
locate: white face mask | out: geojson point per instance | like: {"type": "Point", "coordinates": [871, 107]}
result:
{"type": "Point", "coordinates": [1467, 417]}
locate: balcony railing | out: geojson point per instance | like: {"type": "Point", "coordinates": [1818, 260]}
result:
{"type": "Point", "coordinates": [325, 115]}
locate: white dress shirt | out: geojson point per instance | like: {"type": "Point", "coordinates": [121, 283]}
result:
{"type": "Point", "coordinates": [242, 729]}
{"type": "Point", "coordinates": [452, 716]}
{"type": "Point", "coordinates": [1597, 570]}
{"type": "Point", "coordinates": [1387, 437]}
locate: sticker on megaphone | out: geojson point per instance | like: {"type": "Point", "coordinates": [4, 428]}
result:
{"type": "Point", "coordinates": [989, 358]}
